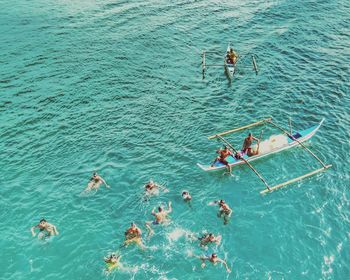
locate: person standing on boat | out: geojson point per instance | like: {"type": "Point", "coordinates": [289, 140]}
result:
{"type": "Point", "coordinates": [223, 154]}
{"type": "Point", "coordinates": [247, 145]}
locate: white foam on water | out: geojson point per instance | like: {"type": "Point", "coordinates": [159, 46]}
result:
{"type": "Point", "coordinates": [177, 233]}
{"type": "Point", "coordinates": [326, 266]}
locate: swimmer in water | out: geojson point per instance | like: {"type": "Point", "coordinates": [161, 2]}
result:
{"type": "Point", "coordinates": [209, 238]}
{"type": "Point", "coordinates": [186, 196]}
{"type": "Point", "coordinates": [161, 217]}
{"type": "Point", "coordinates": [224, 211]}
{"type": "Point", "coordinates": [134, 235]}
{"type": "Point", "coordinates": [213, 258]}
{"type": "Point", "coordinates": [112, 261]}
{"type": "Point", "coordinates": [95, 182]}
{"type": "Point", "coordinates": [45, 226]}
{"type": "Point", "coordinates": [152, 188]}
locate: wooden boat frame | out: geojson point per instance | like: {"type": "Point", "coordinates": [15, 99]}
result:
{"type": "Point", "coordinates": [293, 141]}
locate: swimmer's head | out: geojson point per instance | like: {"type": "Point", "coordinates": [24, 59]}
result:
{"type": "Point", "coordinates": [42, 222]}
{"type": "Point", "coordinates": [221, 201]}
{"type": "Point", "coordinates": [160, 209]}
{"type": "Point", "coordinates": [133, 225]}
{"type": "Point", "coordinates": [214, 256]}
{"type": "Point", "coordinates": [250, 134]}
{"type": "Point", "coordinates": [184, 193]}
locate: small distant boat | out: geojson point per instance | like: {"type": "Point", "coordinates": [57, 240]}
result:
{"type": "Point", "coordinates": [229, 66]}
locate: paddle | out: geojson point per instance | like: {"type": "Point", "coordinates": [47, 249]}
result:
{"type": "Point", "coordinates": [257, 150]}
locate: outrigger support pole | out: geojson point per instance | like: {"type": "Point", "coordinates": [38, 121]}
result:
{"type": "Point", "coordinates": [247, 162]}
{"type": "Point", "coordinates": [300, 143]}
{"type": "Point", "coordinates": [295, 179]}
{"type": "Point", "coordinates": [240, 128]}
{"type": "Point", "coordinates": [203, 64]}
{"type": "Point", "coordinates": [255, 65]}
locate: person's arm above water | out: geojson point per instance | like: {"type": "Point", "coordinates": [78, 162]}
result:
{"type": "Point", "coordinates": [153, 211]}
{"type": "Point", "coordinates": [55, 229]}
{"type": "Point", "coordinates": [32, 230]}
{"type": "Point", "coordinates": [104, 182]}
{"type": "Point", "coordinates": [225, 264]}
{"type": "Point", "coordinates": [170, 209]}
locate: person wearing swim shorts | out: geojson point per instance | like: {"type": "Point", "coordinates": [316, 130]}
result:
{"type": "Point", "coordinates": [225, 211]}
{"type": "Point", "coordinates": [223, 154]}
{"type": "Point", "coordinates": [160, 217]}
{"type": "Point", "coordinates": [247, 145]}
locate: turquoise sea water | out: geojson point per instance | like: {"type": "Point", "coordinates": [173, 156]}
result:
{"type": "Point", "coordinates": [116, 86]}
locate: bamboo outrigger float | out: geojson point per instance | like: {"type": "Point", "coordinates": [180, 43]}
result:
{"type": "Point", "coordinates": [273, 145]}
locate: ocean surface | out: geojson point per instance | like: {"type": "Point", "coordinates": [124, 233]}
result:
{"type": "Point", "coordinates": [116, 87]}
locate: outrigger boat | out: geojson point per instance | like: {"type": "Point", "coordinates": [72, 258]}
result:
{"type": "Point", "coordinates": [274, 144]}
{"type": "Point", "coordinates": [230, 68]}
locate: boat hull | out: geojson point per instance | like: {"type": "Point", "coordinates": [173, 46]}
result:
{"type": "Point", "coordinates": [301, 136]}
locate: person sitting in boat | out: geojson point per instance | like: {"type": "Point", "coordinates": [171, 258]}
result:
{"type": "Point", "coordinates": [228, 59]}
{"type": "Point", "coordinates": [224, 211]}
{"type": "Point", "coordinates": [223, 154]}
{"type": "Point", "coordinates": [247, 145]}
{"type": "Point", "coordinates": [232, 56]}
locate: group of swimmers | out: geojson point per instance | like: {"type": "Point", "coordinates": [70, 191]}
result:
{"type": "Point", "coordinates": [246, 149]}
{"type": "Point", "coordinates": [133, 235]}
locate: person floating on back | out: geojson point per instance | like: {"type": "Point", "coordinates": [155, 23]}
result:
{"type": "Point", "coordinates": [95, 182]}
{"type": "Point", "coordinates": [46, 229]}
{"type": "Point", "coordinates": [161, 217]}
{"type": "Point", "coordinates": [247, 145]}
{"type": "Point", "coordinates": [134, 235]}
{"type": "Point", "coordinates": [223, 154]}
{"type": "Point", "coordinates": [214, 259]}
